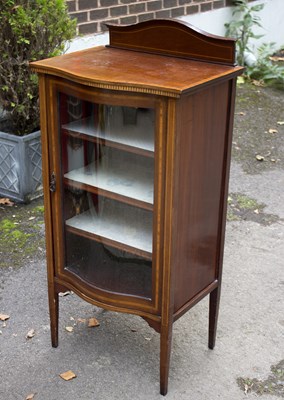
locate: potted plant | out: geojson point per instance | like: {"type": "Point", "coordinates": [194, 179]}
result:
{"type": "Point", "coordinates": [30, 30]}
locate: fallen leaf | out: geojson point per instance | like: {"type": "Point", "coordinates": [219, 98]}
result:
{"type": "Point", "coordinates": [6, 202]}
{"type": "Point", "coordinates": [93, 322]}
{"type": "Point", "coordinates": [69, 328]}
{"type": "Point", "coordinates": [241, 113]}
{"type": "Point", "coordinates": [259, 157]}
{"type": "Point", "coordinates": [30, 334]}
{"type": "Point", "coordinates": [31, 218]}
{"type": "Point", "coordinates": [273, 160]}
{"type": "Point", "coordinates": [256, 211]}
{"type": "Point", "coordinates": [62, 294]}
{"type": "Point", "coordinates": [240, 79]}
{"type": "Point", "coordinates": [275, 58]}
{"type": "Point", "coordinates": [280, 122]}
{"type": "Point", "coordinates": [271, 130]}
{"type": "Point", "coordinates": [257, 83]}
{"type": "Point", "coordinates": [4, 317]}
{"type": "Point", "coordinates": [82, 320]}
{"type": "Point", "coordinates": [68, 375]}
{"type": "Point", "coordinates": [30, 396]}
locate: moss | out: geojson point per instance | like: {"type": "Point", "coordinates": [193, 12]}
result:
{"type": "Point", "coordinates": [6, 225]}
{"type": "Point", "coordinates": [273, 384]}
{"type": "Point", "coordinates": [232, 217]}
{"type": "Point", "coordinates": [39, 209]}
{"type": "Point", "coordinates": [22, 234]}
{"type": "Point", "coordinates": [243, 207]}
{"type": "Point", "coordinates": [247, 202]}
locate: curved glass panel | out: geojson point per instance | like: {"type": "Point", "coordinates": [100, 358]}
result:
{"type": "Point", "coordinates": [107, 158]}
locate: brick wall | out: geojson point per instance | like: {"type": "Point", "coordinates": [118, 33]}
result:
{"type": "Point", "coordinates": [91, 14]}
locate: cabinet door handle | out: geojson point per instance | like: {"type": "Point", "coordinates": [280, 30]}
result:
{"type": "Point", "coordinates": [52, 184]}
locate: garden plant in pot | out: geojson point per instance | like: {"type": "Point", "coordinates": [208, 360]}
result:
{"type": "Point", "coordinates": [30, 30]}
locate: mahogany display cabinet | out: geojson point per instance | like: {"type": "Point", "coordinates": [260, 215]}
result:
{"type": "Point", "coordinates": [136, 140]}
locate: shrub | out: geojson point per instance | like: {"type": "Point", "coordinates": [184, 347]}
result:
{"type": "Point", "coordinates": [241, 27]}
{"type": "Point", "coordinates": [265, 69]}
{"type": "Point", "coordinates": [30, 30]}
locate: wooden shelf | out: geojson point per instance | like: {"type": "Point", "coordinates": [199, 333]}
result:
{"type": "Point", "coordinates": [137, 138]}
{"type": "Point", "coordinates": [122, 178]}
{"type": "Point", "coordinates": [122, 227]}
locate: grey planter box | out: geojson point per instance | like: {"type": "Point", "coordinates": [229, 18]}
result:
{"type": "Point", "coordinates": [20, 166]}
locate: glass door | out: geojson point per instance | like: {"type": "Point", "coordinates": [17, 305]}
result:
{"type": "Point", "coordinates": [107, 193]}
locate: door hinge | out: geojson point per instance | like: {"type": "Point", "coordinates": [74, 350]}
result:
{"type": "Point", "coordinates": [52, 184]}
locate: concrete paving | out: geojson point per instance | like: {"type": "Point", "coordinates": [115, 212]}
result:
{"type": "Point", "coordinates": [120, 358]}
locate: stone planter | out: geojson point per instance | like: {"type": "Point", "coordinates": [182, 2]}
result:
{"type": "Point", "coordinates": [20, 166]}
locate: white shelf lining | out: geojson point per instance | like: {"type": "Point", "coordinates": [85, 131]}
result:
{"type": "Point", "coordinates": [139, 135]}
{"type": "Point", "coordinates": [123, 177]}
{"type": "Point", "coordinates": [123, 224]}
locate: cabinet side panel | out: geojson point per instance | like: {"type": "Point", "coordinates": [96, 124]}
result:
{"type": "Point", "coordinates": [202, 125]}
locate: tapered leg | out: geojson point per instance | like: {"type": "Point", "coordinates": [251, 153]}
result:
{"type": "Point", "coordinates": [54, 315]}
{"type": "Point", "coordinates": [213, 315]}
{"type": "Point", "coordinates": [166, 344]}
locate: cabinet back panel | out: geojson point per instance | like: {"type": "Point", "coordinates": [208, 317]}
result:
{"type": "Point", "coordinates": [199, 165]}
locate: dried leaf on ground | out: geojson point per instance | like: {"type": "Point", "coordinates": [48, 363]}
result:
{"type": "Point", "coordinates": [93, 322]}
{"type": "Point", "coordinates": [259, 157]}
{"type": "Point", "coordinates": [30, 396]}
{"type": "Point", "coordinates": [31, 218]}
{"type": "Point", "coordinates": [4, 317]}
{"type": "Point", "coordinates": [6, 201]}
{"type": "Point", "coordinates": [280, 122]}
{"type": "Point", "coordinates": [271, 130]}
{"type": "Point", "coordinates": [240, 79]}
{"type": "Point", "coordinates": [257, 83]}
{"type": "Point", "coordinates": [241, 113]}
{"type": "Point", "coordinates": [68, 375]}
{"type": "Point", "coordinates": [30, 334]}
{"type": "Point", "coordinates": [81, 320]}
{"type": "Point", "coordinates": [62, 294]}
{"type": "Point", "coordinates": [276, 58]}
{"type": "Point", "coordinates": [69, 328]}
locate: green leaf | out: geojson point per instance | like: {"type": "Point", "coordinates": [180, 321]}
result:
{"type": "Point", "coordinates": [257, 7]}
{"type": "Point", "coordinates": [25, 26]}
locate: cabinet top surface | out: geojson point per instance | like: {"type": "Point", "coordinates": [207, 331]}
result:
{"type": "Point", "coordinates": [129, 70]}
